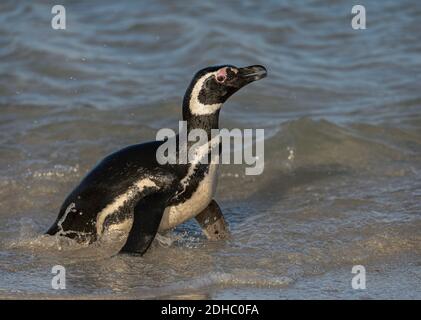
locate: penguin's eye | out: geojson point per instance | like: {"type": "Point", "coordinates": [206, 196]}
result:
{"type": "Point", "coordinates": [221, 75]}
{"type": "Point", "coordinates": [221, 78]}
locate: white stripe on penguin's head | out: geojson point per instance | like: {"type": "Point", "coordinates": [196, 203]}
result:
{"type": "Point", "coordinates": [197, 107]}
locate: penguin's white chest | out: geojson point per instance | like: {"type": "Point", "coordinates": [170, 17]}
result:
{"type": "Point", "coordinates": [199, 200]}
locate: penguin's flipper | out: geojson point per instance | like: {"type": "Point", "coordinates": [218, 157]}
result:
{"type": "Point", "coordinates": [212, 222]}
{"type": "Point", "coordinates": [146, 219]}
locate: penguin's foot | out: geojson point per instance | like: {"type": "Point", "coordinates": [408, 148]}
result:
{"type": "Point", "coordinates": [213, 223]}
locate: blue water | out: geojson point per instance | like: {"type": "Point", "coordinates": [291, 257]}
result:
{"type": "Point", "coordinates": [342, 114]}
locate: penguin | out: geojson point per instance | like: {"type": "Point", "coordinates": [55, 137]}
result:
{"type": "Point", "coordinates": [130, 191]}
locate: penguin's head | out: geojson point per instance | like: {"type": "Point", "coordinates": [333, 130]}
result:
{"type": "Point", "coordinates": [212, 86]}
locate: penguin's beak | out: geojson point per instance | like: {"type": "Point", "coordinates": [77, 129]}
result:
{"type": "Point", "coordinates": [249, 74]}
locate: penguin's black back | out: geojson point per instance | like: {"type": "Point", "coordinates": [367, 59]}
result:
{"type": "Point", "coordinates": [111, 177]}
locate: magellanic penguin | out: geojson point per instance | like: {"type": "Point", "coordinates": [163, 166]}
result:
{"type": "Point", "coordinates": [130, 191]}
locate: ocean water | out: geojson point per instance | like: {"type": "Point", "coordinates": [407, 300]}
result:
{"type": "Point", "coordinates": [341, 109]}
